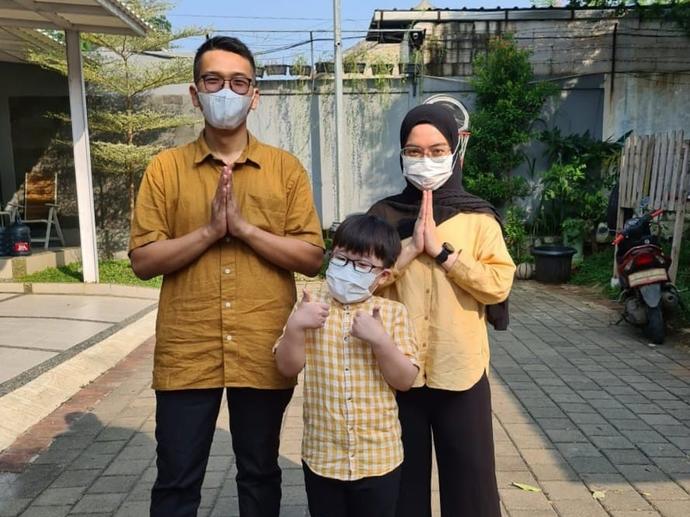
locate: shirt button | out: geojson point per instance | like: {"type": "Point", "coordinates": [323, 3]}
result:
{"type": "Point", "coordinates": [227, 305]}
{"type": "Point", "coordinates": [423, 345]}
{"type": "Point", "coordinates": [347, 369]}
{"type": "Point", "coordinates": [228, 239]}
{"type": "Point", "coordinates": [346, 339]}
{"type": "Point", "coordinates": [428, 291]}
{"type": "Point", "coordinates": [426, 318]}
{"type": "Point", "coordinates": [226, 271]}
{"type": "Point", "coordinates": [228, 337]}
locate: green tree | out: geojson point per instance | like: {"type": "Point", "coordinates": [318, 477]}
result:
{"type": "Point", "coordinates": [508, 101]}
{"type": "Point", "coordinates": [123, 127]}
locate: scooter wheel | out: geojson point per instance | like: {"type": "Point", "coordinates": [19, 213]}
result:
{"type": "Point", "coordinates": [654, 329]}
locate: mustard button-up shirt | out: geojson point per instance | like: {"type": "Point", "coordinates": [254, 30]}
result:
{"type": "Point", "coordinates": [447, 308]}
{"type": "Point", "coordinates": [220, 316]}
{"type": "Point", "coordinates": [351, 426]}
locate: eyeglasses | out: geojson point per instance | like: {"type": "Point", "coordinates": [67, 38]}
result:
{"type": "Point", "coordinates": [361, 266]}
{"type": "Point", "coordinates": [439, 151]}
{"type": "Point", "coordinates": [238, 84]}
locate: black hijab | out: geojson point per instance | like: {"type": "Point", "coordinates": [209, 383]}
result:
{"type": "Point", "coordinates": [449, 199]}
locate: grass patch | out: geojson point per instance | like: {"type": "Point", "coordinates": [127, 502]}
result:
{"type": "Point", "coordinates": [596, 271]}
{"type": "Point", "coordinates": [110, 272]}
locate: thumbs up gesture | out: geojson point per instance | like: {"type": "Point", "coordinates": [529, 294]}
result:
{"type": "Point", "coordinates": [309, 314]}
{"type": "Point", "coordinates": [368, 327]}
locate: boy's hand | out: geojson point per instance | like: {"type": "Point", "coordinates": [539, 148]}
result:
{"type": "Point", "coordinates": [309, 315]}
{"type": "Point", "coordinates": [368, 327]}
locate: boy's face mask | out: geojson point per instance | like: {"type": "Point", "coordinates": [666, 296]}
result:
{"type": "Point", "coordinates": [347, 285]}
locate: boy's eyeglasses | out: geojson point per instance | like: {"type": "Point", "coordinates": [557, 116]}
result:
{"type": "Point", "coordinates": [361, 266]}
{"type": "Point", "coordinates": [238, 84]}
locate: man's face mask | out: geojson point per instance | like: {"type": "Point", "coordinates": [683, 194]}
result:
{"type": "Point", "coordinates": [225, 109]}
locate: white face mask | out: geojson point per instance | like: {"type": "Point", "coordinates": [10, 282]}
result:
{"type": "Point", "coordinates": [225, 109]}
{"type": "Point", "coordinates": [428, 173]}
{"type": "Point", "coordinates": [347, 285]}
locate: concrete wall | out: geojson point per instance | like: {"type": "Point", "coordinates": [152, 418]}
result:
{"type": "Point", "coordinates": [647, 104]}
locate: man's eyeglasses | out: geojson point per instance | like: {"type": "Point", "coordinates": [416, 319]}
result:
{"type": "Point", "coordinates": [361, 266]}
{"type": "Point", "coordinates": [439, 151]}
{"type": "Point", "coordinates": [238, 84]}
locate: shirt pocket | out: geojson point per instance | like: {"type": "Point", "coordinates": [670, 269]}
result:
{"type": "Point", "coordinates": [267, 212]}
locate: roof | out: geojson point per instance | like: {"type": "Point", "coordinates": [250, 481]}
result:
{"type": "Point", "coordinates": [101, 16]}
{"type": "Point", "coordinates": [20, 19]}
{"type": "Point", "coordinates": [15, 43]}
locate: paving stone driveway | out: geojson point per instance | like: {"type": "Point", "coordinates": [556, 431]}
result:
{"type": "Point", "coordinates": [582, 409]}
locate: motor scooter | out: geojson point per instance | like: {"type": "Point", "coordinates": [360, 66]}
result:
{"type": "Point", "coordinates": [642, 266]}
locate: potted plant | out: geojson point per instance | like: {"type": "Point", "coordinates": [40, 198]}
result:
{"type": "Point", "coordinates": [574, 231]}
{"type": "Point", "coordinates": [382, 68]}
{"type": "Point", "coordinates": [515, 234]}
{"type": "Point", "coordinates": [325, 67]}
{"type": "Point", "coordinates": [300, 67]}
{"type": "Point", "coordinates": [276, 69]}
{"type": "Point", "coordinates": [354, 67]}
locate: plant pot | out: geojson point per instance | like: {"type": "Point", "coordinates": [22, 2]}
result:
{"type": "Point", "coordinates": [300, 70]}
{"type": "Point", "coordinates": [553, 264]}
{"type": "Point", "coordinates": [382, 68]}
{"type": "Point", "coordinates": [524, 271]}
{"type": "Point", "coordinates": [409, 69]}
{"type": "Point", "coordinates": [354, 68]}
{"type": "Point", "coordinates": [325, 67]}
{"type": "Point", "coordinates": [276, 69]}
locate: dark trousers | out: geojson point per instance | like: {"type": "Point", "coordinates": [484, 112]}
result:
{"type": "Point", "coordinates": [366, 497]}
{"type": "Point", "coordinates": [460, 423]}
{"type": "Point", "coordinates": [185, 424]}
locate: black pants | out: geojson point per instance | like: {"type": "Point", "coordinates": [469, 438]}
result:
{"type": "Point", "coordinates": [460, 423]}
{"type": "Point", "coordinates": [366, 497]}
{"type": "Point", "coordinates": [185, 424]}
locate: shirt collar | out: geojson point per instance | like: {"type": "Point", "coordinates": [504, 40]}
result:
{"type": "Point", "coordinates": [250, 154]}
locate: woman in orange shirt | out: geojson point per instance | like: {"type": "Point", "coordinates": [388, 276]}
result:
{"type": "Point", "coordinates": [454, 274]}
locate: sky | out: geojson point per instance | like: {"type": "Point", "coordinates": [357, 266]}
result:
{"type": "Point", "coordinates": [247, 19]}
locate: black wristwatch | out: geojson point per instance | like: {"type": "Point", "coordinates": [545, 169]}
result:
{"type": "Point", "coordinates": [446, 250]}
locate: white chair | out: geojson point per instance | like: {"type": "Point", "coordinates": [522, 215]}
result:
{"type": "Point", "coordinates": [40, 206]}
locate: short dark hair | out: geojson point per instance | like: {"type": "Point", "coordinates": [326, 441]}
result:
{"type": "Point", "coordinates": [227, 43]}
{"type": "Point", "coordinates": [368, 234]}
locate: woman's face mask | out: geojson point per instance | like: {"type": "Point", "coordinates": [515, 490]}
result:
{"type": "Point", "coordinates": [428, 173]}
{"type": "Point", "coordinates": [347, 285]}
{"type": "Point", "coordinates": [225, 109]}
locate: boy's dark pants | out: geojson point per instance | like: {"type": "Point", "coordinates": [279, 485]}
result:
{"type": "Point", "coordinates": [366, 497]}
{"type": "Point", "coordinates": [185, 424]}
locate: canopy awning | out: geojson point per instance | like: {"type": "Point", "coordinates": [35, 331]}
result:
{"type": "Point", "coordinates": [19, 24]}
{"type": "Point", "coordinates": [101, 16]}
{"type": "Point", "coordinates": [15, 43]}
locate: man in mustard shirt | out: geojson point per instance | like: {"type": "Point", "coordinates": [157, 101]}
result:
{"type": "Point", "coordinates": [226, 220]}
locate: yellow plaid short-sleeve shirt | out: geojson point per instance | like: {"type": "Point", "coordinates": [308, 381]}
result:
{"type": "Point", "coordinates": [351, 427]}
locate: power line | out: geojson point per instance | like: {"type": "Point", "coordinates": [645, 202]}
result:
{"type": "Point", "coordinates": [291, 18]}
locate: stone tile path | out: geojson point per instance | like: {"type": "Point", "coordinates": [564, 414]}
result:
{"type": "Point", "coordinates": [584, 411]}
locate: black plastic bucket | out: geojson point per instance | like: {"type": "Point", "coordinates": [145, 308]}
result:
{"type": "Point", "coordinates": [20, 239]}
{"type": "Point", "coordinates": [553, 263]}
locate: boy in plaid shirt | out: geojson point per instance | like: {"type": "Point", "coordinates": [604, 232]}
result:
{"type": "Point", "coordinates": [356, 350]}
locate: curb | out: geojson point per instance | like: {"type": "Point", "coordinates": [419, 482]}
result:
{"type": "Point", "coordinates": [125, 291]}
{"type": "Point", "coordinates": [30, 403]}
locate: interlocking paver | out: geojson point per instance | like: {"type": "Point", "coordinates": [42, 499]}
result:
{"type": "Point", "coordinates": [578, 406]}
